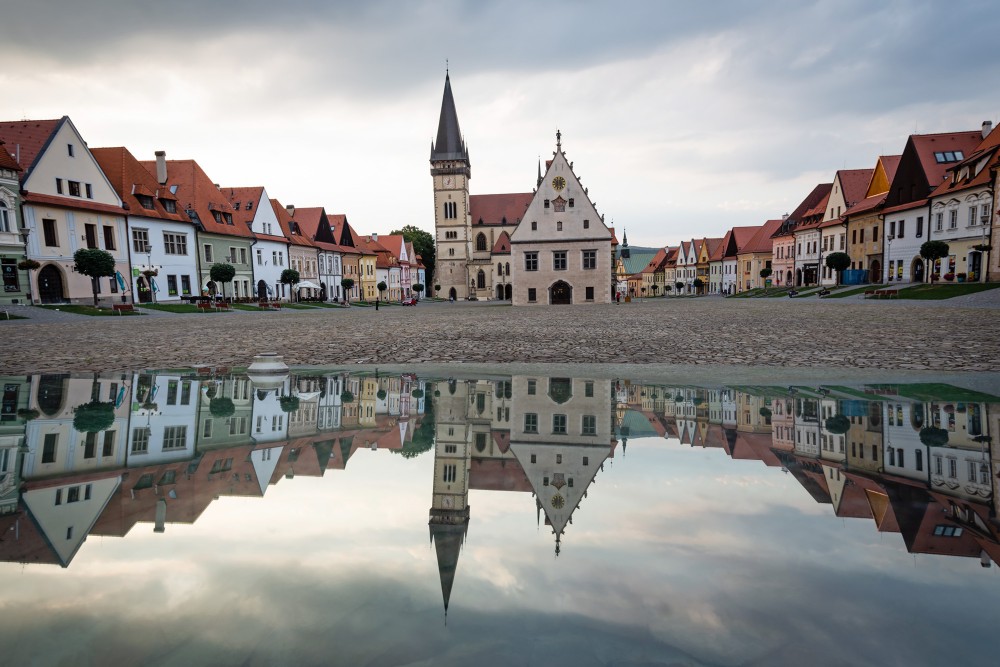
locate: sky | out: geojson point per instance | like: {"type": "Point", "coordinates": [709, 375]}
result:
{"type": "Point", "coordinates": [683, 119]}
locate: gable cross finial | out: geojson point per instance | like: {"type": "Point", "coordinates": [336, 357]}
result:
{"type": "Point", "coordinates": [558, 139]}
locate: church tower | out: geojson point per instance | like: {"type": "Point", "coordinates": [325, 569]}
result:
{"type": "Point", "coordinates": [451, 172]}
{"type": "Point", "coordinates": [449, 513]}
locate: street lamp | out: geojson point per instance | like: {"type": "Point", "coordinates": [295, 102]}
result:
{"type": "Point", "coordinates": [888, 253]}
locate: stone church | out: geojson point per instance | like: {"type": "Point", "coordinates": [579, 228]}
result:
{"type": "Point", "coordinates": [563, 253]}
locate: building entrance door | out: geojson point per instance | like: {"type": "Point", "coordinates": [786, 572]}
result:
{"type": "Point", "coordinates": [560, 293]}
{"type": "Point", "coordinates": [50, 285]}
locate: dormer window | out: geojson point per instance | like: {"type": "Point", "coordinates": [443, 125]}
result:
{"type": "Point", "coordinates": [249, 205]}
{"type": "Point", "coordinates": [236, 206]}
{"type": "Point", "coordinates": [169, 205]}
{"type": "Point", "coordinates": [948, 156]}
{"type": "Point", "coordinates": [217, 215]}
{"type": "Point", "coordinates": [228, 217]}
{"type": "Point", "coordinates": [145, 201]}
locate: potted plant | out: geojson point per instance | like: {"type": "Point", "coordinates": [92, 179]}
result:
{"type": "Point", "coordinates": [28, 265]}
{"type": "Point", "coordinates": [960, 277]}
{"type": "Point", "coordinates": [949, 276]}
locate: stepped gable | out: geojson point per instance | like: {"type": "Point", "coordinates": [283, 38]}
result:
{"type": "Point", "coordinates": [501, 209]}
{"type": "Point", "coordinates": [129, 178]}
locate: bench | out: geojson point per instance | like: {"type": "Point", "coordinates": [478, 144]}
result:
{"type": "Point", "coordinates": [270, 305]}
{"type": "Point", "coordinates": [121, 308]}
{"type": "Point", "coordinates": [223, 305]}
{"type": "Point", "coordinates": [824, 292]}
{"type": "Point", "coordinates": [881, 293]}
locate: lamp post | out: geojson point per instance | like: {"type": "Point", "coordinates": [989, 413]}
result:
{"type": "Point", "coordinates": [984, 255]}
{"type": "Point", "coordinates": [888, 262]}
{"type": "Point", "coordinates": [24, 233]}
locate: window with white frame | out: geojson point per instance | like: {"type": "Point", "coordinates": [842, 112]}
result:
{"type": "Point", "coordinates": [174, 244]}
{"type": "Point", "coordinates": [5, 218]}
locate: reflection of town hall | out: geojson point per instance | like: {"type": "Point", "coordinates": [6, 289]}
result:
{"type": "Point", "coordinates": [561, 254]}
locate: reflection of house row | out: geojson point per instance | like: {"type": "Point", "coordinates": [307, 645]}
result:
{"type": "Point", "coordinates": [168, 445]}
{"type": "Point", "coordinates": [922, 468]}
{"type": "Point", "coordinates": [545, 436]}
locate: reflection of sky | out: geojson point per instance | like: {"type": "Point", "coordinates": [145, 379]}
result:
{"type": "Point", "coordinates": [677, 556]}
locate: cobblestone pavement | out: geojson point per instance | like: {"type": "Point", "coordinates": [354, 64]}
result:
{"type": "Point", "coordinates": [764, 332]}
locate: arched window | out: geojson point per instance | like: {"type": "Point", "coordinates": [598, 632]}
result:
{"type": "Point", "coordinates": [499, 269]}
{"type": "Point", "coordinates": [507, 269]}
{"type": "Point", "coordinates": [481, 279]}
{"type": "Point", "coordinates": [481, 242]}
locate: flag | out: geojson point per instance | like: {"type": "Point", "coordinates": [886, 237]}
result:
{"type": "Point", "coordinates": [121, 280]}
{"type": "Point", "coordinates": [152, 281]}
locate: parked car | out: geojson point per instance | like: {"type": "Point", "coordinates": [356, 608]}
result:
{"type": "Point", "coordinates": [410, 301]}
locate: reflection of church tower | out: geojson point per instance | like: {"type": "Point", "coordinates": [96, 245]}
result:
{"type": "Point", "coordinates": [449, 514]}
{"type": "Point", "coordinates": [451, 171]}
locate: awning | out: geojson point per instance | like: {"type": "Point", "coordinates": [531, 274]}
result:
{"type": "Point", "coordinates": [308, 284]}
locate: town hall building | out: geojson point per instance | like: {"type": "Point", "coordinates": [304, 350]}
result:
{"type": "Point", "coordinates": [563, 254]}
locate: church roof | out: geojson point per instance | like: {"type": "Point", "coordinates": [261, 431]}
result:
{"type": "Point", "coordinates": [502, 246]}
{"type": "Point", "coordinates": [504, 209]}
{"type": "Point", "coordinates": [449, 145]}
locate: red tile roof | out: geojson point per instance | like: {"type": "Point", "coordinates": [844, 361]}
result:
{"type": "Point", "coordinates": [248, 199]}
{"type": "Point", "coordinates": [67, 202]}
{"type": "Point", "coordinates": [394, 243]}
{"type": "Point", "coordinates": [129, 178]}
{"type": "Point", "coordinates": [7, 160]}
{"type": "Point", "coordinates": [890, 163]}
{"type": "Point", "coordinates": [986, 149]}
{"type": "Point", "coordinates": [714, 247]}
{"type": "Point", "coordinates": [854, 184]}
{"type": "Point", "coordinates": [498, 209]}
{"type": "Point", "coordinates": [197, 192]}
{"type": "Point", "coordinates": [928, 144]}
{"type": "Point", "coordinates": [761, 241]}
{"type": "Point", "coordinates": [742, 236]}
{"type": "Point", "coordinates": [720, 251]}
{"type": "Point", "coordinates": [502, 245]}
{"type": "Point", "coordinates": [27, 138]}
{"type": "Point", "coordinates": [866, 205]}
{"type": "Point", "coordinates": [658, 259]}
{"type": "Point", "coordinates": [285, 222]}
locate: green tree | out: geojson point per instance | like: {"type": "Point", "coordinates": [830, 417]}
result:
{"type": "Point", "coordinates": [346, 397]}
{"type": "Point", "coordinates": [423, 245]}
{"type": "Point", "coordinates": [931, 251]}
{"type": "Point", "coordinates": [94, 416]}
{"type": "Point", "coordinates": [418, 288]}
{"type": "Point", "coordinates": [679, 285]}
{"type": "Point", "coordinates": [347, 284]}
{"type": "Point", "coordinates": [765, 273]}
{"type": "Point", "coordinates": [290, 277]}
{"type": "Point", "coordinates": [220, 408]}
{"type": "Point", "coordinates": [654, 288]}
{"type": "Point", "coordinates": [698, 283]}
{"type": "Point", "coordinates": [838, 424]}
{"type": "Point", "coordinates": [838, 262]}
{"type": "Point", "coordinates": [932, 436]}
{"type": "Point", "coordinates": [95, 264]}
{"type": "Point", "coordinates": [222, 273]}
{"type": "Point", "coordinates": [289, 403]}
{"type": "Point", "coordinates": [381, 288]}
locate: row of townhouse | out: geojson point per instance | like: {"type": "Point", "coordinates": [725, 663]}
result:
{"type": "Point", "coordinates": [166, 223]}
{"type": "Point", "coordinates": [941, 187]}
{"type": "Point", "coordinates": [173, 443]}
{"type": "Point", "coordinates": [866, 459]}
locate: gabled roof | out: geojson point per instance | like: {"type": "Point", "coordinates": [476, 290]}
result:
{"type": "Point", "coordinates": [656, 262]}
{"type": "Point", "coordinates": [314, 223]}
{"type": "Point", "coordinates": [889, 165]}
{"type": "Point", "coordinates": [7, 160]}
{"type": "Point", "coordinates": [987, 153]}
{"type": "Point", "coordinates": [739, 238]}
{"type": "Point", "coordinates": [289, 227]}
{"type": "Point", "coordinates": [502, 209]}
{"type": "Point", "coordinates": [502, 245]}
{"type": "Point", "coordinates": [854, 184]}
{"type": "Point", "coordinates": [761, 241]}
{"type": "Point", "coordinates": [197, 194]}
{"type": "Point", "coordinates": [714, 248]}
{"type": "Point", "coordinates": [129, 178]}
{"type": "Point", "coordinates": [929, 144]}
{"type": "Point", "coordinates": [720, 250]}
{"type": "Point", "coordinates": [343, 233]}
{"type": "Point", "coordinates": [819, 194]}
{"type": "Point", "coordinates": [245, 201]}
{"type": "Point", "coordinates": [394, 243]}
{"type": "Point", "coordinates": [26, 139]}
{"type": "Point", "coordinates": [450, 144]}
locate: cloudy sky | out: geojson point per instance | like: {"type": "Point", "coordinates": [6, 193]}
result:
{"type": "Point", "coordinates": [683, 119]}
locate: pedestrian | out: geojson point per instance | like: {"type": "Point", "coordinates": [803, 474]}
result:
{"type": "Point", "coordinates": [376, 304]}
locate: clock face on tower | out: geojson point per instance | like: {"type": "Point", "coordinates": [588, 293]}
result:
{"type": "Point", "coordinates": [447, 181]}
{"type": "Point", "coordinates": [558, 183]}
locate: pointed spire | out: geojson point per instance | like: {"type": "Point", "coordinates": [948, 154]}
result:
{"type": "Point", "coordinates": [539, 184]}
{"type": "Point", "coordinates": [449, 144]}
{"type": "Point", "coordinates": [624, 237]}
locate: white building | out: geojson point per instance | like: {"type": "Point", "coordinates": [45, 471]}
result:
{"type": "Point", "coordinates": [269, 252]}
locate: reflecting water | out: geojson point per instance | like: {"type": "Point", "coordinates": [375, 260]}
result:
{"type": "Point", "coordinates": [369, 519]}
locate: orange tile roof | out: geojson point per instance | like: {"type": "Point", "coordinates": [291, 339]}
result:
{"type": "Point", "coordinates": [129, 178]}
{"type": "Point", "coordinates": [27, 139]}
{"type": "Point", "coordinates": [498, 209]}
{"type": "Point", "coordinates": [654, 264]}
{"type": "Point", "coordinates": [928, 144]}
{"type": "Point", "coordinates": [310, 224]}
{"type": "Point", "coordinates": [342, 232]}
{"type": "Point", "coordinates": [720, 250]}
{"type": "Point", "coordinates": [714, 246]}
{"type": "Point", "coordinates": [248, 198]}
{"type": "Point", "coordinates": [987, 148]}
{"type": "Point", "coordinates": [742, 236]}
{"type": "Point", "coordinates": [286, 223]}
{"type": "Point", "coordinates": [890, 163]}
{"type": "Point", "coordinates": [197, 192]}
{"type": "Point", "coordinates": [66, 202]}
{"type": "Point", "coordinates": [394, 243]}
{"type": "Point", "coordinates": [866, 205]}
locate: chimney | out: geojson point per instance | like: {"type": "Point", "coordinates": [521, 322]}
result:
{"type": "Point", "coordinates": [784, 217]}
{"type": "Point", "coordinates": [374, 237]}
{"type": "Point", "coordinates": [987, 127]}
{"type": "Point", "coordinates": [161, 516]}
{"type": "Point", "coordinates": [161, 167]}
{"type": "Point", "coordinates": [291, 210]}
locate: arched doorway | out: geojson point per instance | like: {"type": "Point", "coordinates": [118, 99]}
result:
{"type": "Point", "coordinates": [499, 292]}
{"type": "Point", "coordinates": [51, 394]}
{"type": "Point", "coordinates": [322, 291]}
{"type": "Point", "coordinates": [788, 277]}
{"type": "Point", "coordinates": [452, 294]}
{"type": "Point", "coordinates": [917, 270]}
{"type": "Point", "coordinates": [798, 277]}
{"type": "Point", "coordinates": [875, 272]}
{"type": "Point", "coordinates": [261, 290]}
{"type": "Point", "coordinates": [142, 285]}
{"type": "Point", "coordinates": [508, 292]}
{"type": "Point", "coordinates": [561, 293]}
{"type": "Point", "coordinates": [50, 284]}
